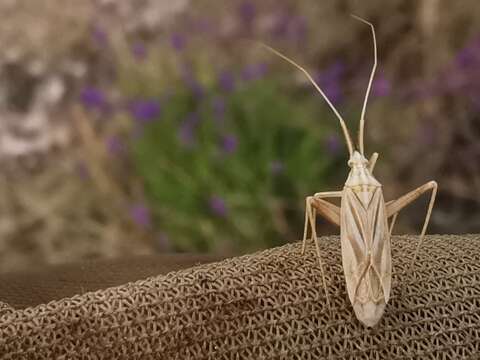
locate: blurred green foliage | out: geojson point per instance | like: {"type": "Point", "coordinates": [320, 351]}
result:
{"type": "Point", "coordinates": [187, 144]}
{"type": "Point", "coordinates": [234, 180]}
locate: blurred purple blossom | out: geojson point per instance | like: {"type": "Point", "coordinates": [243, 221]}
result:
{"type": "Point", "coordinates": [191, 81]}
{"type": "Point", "coordinates": [469, 55]}
{"type": "Point", "coordinates": [140, 214]}
{"type": "Point", "coordinates": [464, 73]}
{"type": "Point", "coordinates": [381, 86]}
{"type": "Point", "coordinates": [330, 81]}
{"type": "Point", "coordinates": [145, 110]}
{"type": "Point", "coordinates": [218, 105]}
{"type": "Point", "coordinates": [229, 143]}
{"type": "Point", "coordinates": [333, 144]}
{"type": "Point", "coordinates": [277, 167]}
{"type": "Point", "coordinates": [454, 80]}
{"type": "Point", "coordinates": [139, 51]}
{"type": "Point", "coordinates": [217, 206]}
{"type": "Point", "coordinates": [281, 24]}
{"type": "Point", "coordinates": [186, 132]}
{"type": "Point", "coordinates": [99, 36]}
{"type": "Point", "coordinates": [226, 81]}
{"type": "Point", "coordinates": [82, 170]}
{"type": "Point", "coordinates": [253, 72]}
{"type": "Point", "coordinates": [115, 145]}
{"type": "Point", "coordinates": [177, 41]}
{"type": "Point", "coordinates": [334, 71]}
{"type": "Point", "coordinates": [93, 98]}
{"type": "Point", "coordinates": [202, 26]}
{"type": "Point", "coordinates": [247, 11]}
{"type": "Point", "coordinates": [333, 91]}
{"type": "Point", "coordinates": [289, 26]}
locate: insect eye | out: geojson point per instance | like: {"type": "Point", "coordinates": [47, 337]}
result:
{"type": "Point", "coordinates": [350, 163]}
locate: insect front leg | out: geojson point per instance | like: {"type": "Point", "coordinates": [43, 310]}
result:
{"type": "Point", "coordinates": [394, 207]}
{"type": "Point", "coordinates": [329, 211]}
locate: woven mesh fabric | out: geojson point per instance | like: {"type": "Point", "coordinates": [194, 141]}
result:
{"type": "Point", "coordinates": [30, 288]}
{"type": "Point", "coordinates": [5, 308]}
{"type": "Point", "coordinates": [268, 305]}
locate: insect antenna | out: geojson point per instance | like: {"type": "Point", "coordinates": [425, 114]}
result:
{"type": "Point", "coordinates": [309, 77]}
{"type": "Point", "coordinates": [362, 116]}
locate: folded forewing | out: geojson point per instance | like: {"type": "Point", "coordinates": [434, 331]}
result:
{"type": "Point", "coordinates": [363, 228]}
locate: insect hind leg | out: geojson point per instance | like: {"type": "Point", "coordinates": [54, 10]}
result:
{"type": "Point", "coordinates": [330, 212]}
{"type": "Point", "coordinates": [394, 207]}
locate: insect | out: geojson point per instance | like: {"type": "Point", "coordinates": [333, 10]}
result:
{"type": "Point", "coordinates": [366, 221]}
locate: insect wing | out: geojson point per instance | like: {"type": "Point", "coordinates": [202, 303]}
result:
{"type": "Point", "coordinates": [364, 230]}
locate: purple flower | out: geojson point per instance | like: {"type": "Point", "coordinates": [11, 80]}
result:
{"type": "Point", "coordinates": [99, 36]}
{"type": "Point", "coordinates": [93, 98]}
{"type": "Point", "coordinates": [330, 81]}
{"type": "Point", "coordinates": [217, 206]}
{"type": "Point", "coordinates": [333, 144]}
{"type": "Point", "coordinates": [226, 81]}
{"type": "Point", "coordinates": [280, 27]}
{"type": "Point", "coordinates": [145, 110]}
{"type": "Point", "coordinates": [192, 83]}
{"type": "Point", "coordinates": [115, 145]}
{"type": "Point", "coordinates": [333, 91]}
{"type": "Point", "coordinates": [177, 41]}
{"type": "Point", "coordinates": [198, 26]}
{"type": "Point", "coordinates": [140, 215]}
{"type": "Point", "coordinates": [381, 86]}
{"type": "Point", "coordinates": [276, 167]}
{"type": "Point", "coordinates": [454, 81]}
{"type": "Point", "coordinates": [218, 105]}
{"type": "Point", "coordinates": [254, 72]}
{"type": "Point", "coordinates": [247, 11]}
{"type": "Point", "coordinates": [469, 56]}
{"type": "Point", "coordinates": [186, 132]}
{"type": "Point", "coordinates": [334, 71]}
{"type": "Point", "coordinates": [82, 170]}
{"type": "Point", "coordinates": [229, 143]}
{"type": "Point", "coordinates": [139, 51]}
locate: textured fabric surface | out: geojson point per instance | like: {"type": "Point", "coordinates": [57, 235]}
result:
{"type": "Point", "coordinates": [268, 305]}
{"type": "Point", "coordinates": [23, 289]}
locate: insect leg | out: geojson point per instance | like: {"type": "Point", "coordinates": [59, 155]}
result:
{"type": "Point", "coordinates": [392, 223]}
{"type": "Point", "coordinates": [305, 229]}
{"type": "Point", "coordinates": [311, 215]}
{"type": "Point", "coordinates": [393, 207]}
{"type": "Point", "coordinates": [327, 210]}
{"type": "Point", "coordinates": [332, 213]}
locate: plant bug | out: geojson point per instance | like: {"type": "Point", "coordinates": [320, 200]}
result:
{"type": "Point", "coordinates": [363, 217]}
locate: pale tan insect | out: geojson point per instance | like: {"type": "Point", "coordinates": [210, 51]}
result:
{"type": "Point", "coordinates": [363, 218]}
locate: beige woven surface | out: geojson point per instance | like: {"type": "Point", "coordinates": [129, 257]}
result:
{"type": "Point", "coordinates": [34, 287]}
{"type": "Point", "coordinates": [268, 305]}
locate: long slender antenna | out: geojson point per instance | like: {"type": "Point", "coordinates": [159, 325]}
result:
{"type": "Point", "coordinates": [309, 77]}
{"type": "Point", "coordinates": [362, 116]}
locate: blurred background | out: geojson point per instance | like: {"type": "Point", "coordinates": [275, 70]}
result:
{"type": "Point", "coordinates": [138, 127]}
